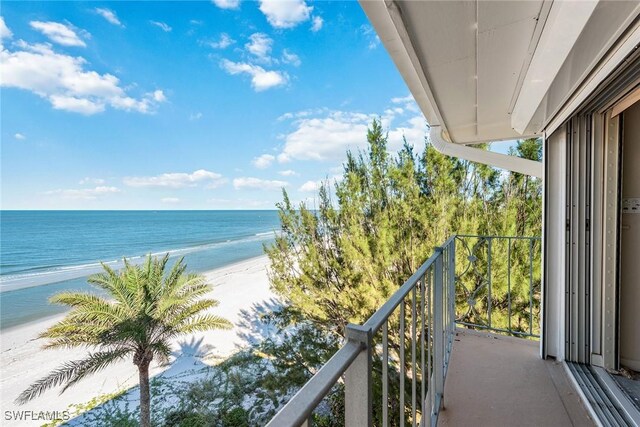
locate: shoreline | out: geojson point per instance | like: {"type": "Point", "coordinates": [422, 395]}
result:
{"type": "Point", "coordinates": [16, 323]}
{"type": "Point", "coordinates": [241, 288]}
{"type": "Point", "coordinates": [11, 283]}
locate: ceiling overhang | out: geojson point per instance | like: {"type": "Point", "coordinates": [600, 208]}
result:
{"type": "Point", "coordinates": [493, 70]}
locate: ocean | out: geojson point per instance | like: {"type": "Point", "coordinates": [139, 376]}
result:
{"type": "Point", "coordinates": [45, 252]}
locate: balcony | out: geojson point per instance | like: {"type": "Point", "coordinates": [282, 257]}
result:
{"type": "Point", "coordinates": [500, 380]}
{"type": "Point", "coordinates": [466, 323]}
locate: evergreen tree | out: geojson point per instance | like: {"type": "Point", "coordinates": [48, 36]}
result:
{"type": "Point", "coordinates": [339, 263]}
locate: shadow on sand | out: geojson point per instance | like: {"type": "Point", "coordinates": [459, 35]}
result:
{"type": "Point", "coordinates": [185, 366]}
{"type": "Point", "coordinates": [254, 326]}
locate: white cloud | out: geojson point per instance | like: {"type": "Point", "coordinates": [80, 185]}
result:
{"type": "Point", "coordinates": [164, 27]}
{"type": "Point", "coordinates": [316, 24]}
{"type": "Point", "coordinates": [310, 186]}
{"type": "Point", "coordinates": [407, 102]}
{"type": "Point", "coordinates": [258, 184]}
{"type": "Point", "coordinates": [158, 96]}
{"type": "Point", "coordinates": [5, 32]}
{"type": "Point", "coordinates": [223, 42]}
{"type": "Point", "coordinates": [84, 193]}
{"type": "Point", "coordinates": [291, 58]}
{"type": "Point", "coordinates": [19, 136]}
{"type": "Point", "coordinates": [226, 4]}
{"type": "Point", "coordinates": [288, 172]}
{"type": "Point", "coordinates": [177, 180]}
{"type": "Point", "coordinates": [195, 116]}
{"type": "Point", "coordinates": [402, 99]}
{"type": "Point", "coordinates": [263, 161]}
{"type": "Point", "coordinates": [89, 180]}
{"type": "Point", "coordinates": [302, 114]}
{"type": "Point", "coordinates": [170, 200]}
{"type": "Point", "coordinates": [58, 33]}
{"type": "Point", "coordinates": [109, 15]}
{"type": "Point", "coordinates": [259, 45]}
{"type": "Point", "coordinates": [238, 203]}
{"type": "Point", "coordinates": [414, 131]}
{"type": "Point", "coordinates": [370, 36]}
{"type": "Point", "coordinates": [64, 82]}
{"type": "Point", "coordinates": [285, 13]}
{"type": "Point", "coordinates": [261, 79]}
{"type": "Point", "coordinates": [327, 136]}
{"type": "Point", "coordinates": [76, 105]}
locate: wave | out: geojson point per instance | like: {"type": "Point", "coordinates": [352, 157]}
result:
{"type": "Point", "coordinates": [55, 274]}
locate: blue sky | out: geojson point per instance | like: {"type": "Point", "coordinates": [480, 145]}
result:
{"type": "Point", "coordinates": [190, 105]}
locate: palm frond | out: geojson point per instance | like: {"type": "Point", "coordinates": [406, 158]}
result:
{"type": "Point", "coordinates": [68, 333]}
{"type": "Point", "coordinates": [201, 323]}
{"type": "Point", "coordinates": [76, 299]}
{"type": "Point", "coordinates": [71, 372]}
{"type": "Point", "coordinates": [115, 284]}
{"type": "Point", "coordinates": [186, 311]}
{"type": "Point", "coordinates": [99, 316]}
{"type": "Point", "coordinates": [148, 309]}
{"type": "Point", "coordinates": [194, 286]}
{"type": "Point", "coordinates": [174, 310]}
{"type": "Point", "coordinates": [161, 351]}
{"type": "Point", "coordinates": [156, 274]}
{"type": "Point", "coordinates": [173, 280]}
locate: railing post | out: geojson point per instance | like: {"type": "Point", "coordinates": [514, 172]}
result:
{"type": "Point", "coordinates": [452, 283]}
{"type": "Point", "coordinates": [358, 395]}
{"type": "Point", "coordinates": [452, 290]}
{"type": "Point", "coordinates": [489, 301]}
{"type": "Point", "coordinates": [438, 325]}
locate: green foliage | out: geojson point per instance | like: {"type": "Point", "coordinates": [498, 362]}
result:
{"type": "Point", "coordinates": [79, 408]}
{"type": "Point", "coordinates": [244, 390]}
{"type": "Point", "coordinates": [339, 263]}
{"type": "Point", "coordinates": [323, 262]}
{"type": "Point", "coordinates": [148, 307]}
{"type": "Point", "coordinates": [237, 417]}
{"type": "Point", "coordinates": [182, 418]}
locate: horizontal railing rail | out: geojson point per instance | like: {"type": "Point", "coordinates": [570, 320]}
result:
{"type": "Point", "coordinates": [420, 315]}
{"type": "Point", "coordinates": [407, 342]}
{"type": "Point", "coordinates": [299, 409]}
{"type": "Point", "coordinates": [498, 284]}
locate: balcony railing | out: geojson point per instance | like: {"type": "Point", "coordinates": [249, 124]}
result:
{"type": "Point", "coordinates": [393, 367]}
{"type": "Point", "coordinates": [498, 283]}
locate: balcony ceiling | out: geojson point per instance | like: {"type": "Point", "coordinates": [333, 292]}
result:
{"type": "Point", "coordinates": [492, 70]}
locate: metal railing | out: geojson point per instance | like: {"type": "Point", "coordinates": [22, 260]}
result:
{"type": "Point", "coordinates": [421, 318]}
{"type": "Point", "coordinates": [498, 283]}
{"type": "Point", "coordinates": [402, 351]}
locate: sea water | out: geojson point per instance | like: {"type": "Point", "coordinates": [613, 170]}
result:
{"type": "Point", "coordinates": [45, 252]}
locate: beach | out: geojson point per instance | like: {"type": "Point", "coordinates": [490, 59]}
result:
{"type": "Point", "coordinates": [242, 290]}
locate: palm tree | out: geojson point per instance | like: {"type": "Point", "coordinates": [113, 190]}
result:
{"type": "Point", "coordinates": [147, 308]}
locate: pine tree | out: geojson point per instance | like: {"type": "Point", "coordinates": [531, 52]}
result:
{"type": "Point", "coordinates": [339, 263]}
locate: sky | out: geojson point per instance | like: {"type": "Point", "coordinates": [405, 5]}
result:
{"type": "Point", "coordinates": [191, 105]}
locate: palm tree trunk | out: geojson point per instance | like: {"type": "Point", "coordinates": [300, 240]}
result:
{"type": "Point", "coordinates": [145, 395]}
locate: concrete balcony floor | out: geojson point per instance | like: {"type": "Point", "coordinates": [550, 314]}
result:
{"type": "Point", "coordinates": [502, 381]}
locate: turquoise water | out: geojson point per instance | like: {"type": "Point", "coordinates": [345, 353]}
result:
{"type": "Point", "coordinates": [44, 252]}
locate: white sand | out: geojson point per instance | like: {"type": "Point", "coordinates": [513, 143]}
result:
{"type": "Point", "coordinates": [238, 287]}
